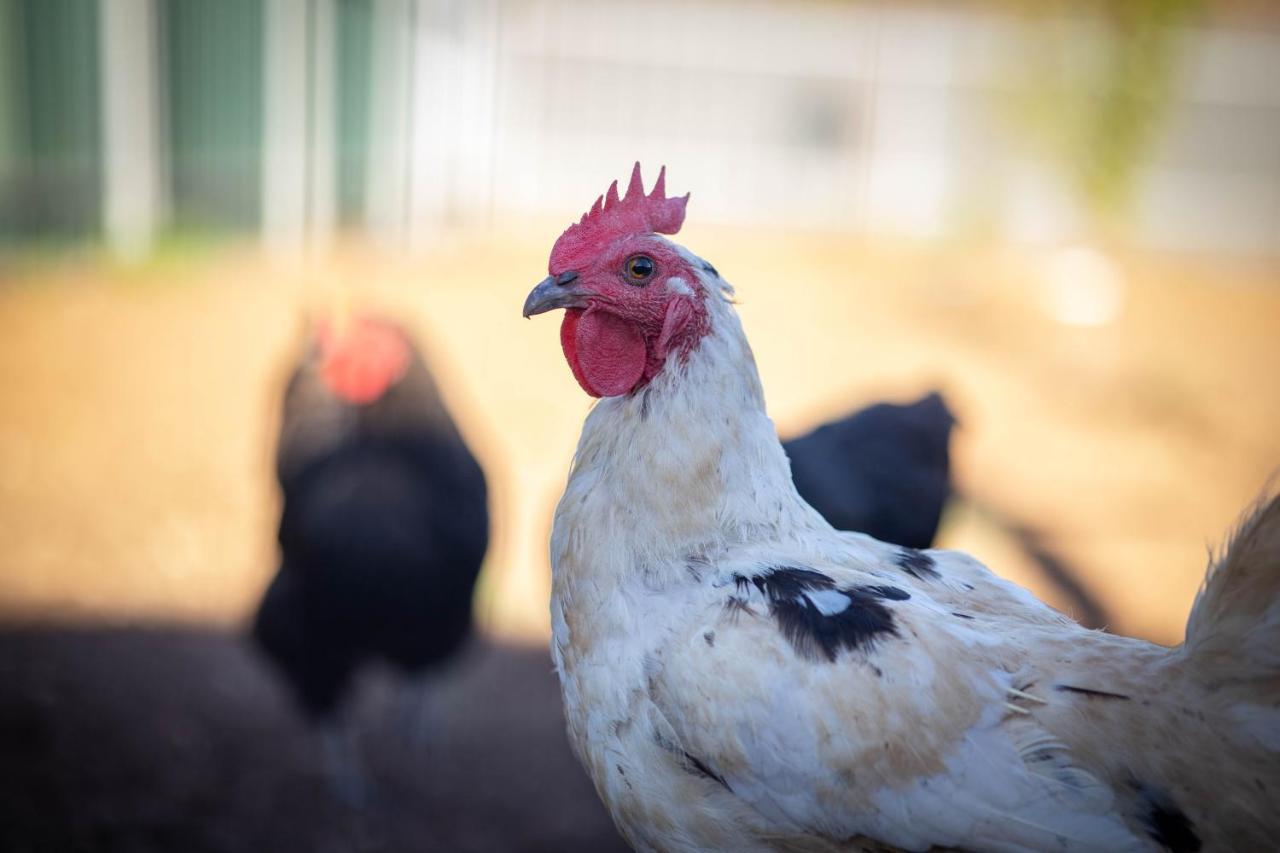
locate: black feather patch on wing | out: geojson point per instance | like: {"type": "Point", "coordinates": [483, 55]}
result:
{"type": "Point", "coordinates": [917, 563]}
{"type": "Point", "coordinates": [1088, 691]}
{"type": "Point", "coordinates": [820, 619]}
{"type": "Point", "coordinates": [1167, 824]}
{"type": "Point", "coordinates": [892, 593]}
{"type": "Point", "coordinates": [688, 761]}
{"type": "Point", "coordinates": [696, 766]}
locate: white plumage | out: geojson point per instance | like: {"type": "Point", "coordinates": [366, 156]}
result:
{"type": "Point", "coordinates": [738, 675]}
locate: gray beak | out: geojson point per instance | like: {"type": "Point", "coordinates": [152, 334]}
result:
{"type": "Point", "coordinates": [553, 292]}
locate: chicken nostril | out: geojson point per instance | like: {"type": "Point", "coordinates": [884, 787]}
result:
{"type": "Point", "coordinates": [566, 278]}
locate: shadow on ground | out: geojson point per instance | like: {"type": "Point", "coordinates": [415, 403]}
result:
{"type": "Point", "coordinates": [164, 738]}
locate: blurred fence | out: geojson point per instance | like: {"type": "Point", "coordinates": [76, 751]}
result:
{"type": "Point", "coordinates": [121, 119]}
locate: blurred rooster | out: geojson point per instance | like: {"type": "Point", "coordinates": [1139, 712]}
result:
{"type": "Point", "coordinates": [385, 522]}
{"type": "Point", "coordinates": [883, 470]}
{"type": "Point", "coordinates": [739, 675]}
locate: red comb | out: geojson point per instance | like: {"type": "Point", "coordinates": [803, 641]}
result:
{"type": "Point", "coordinates": [362, 358]}
{"type": "Point", "coordinates": [611, 217]}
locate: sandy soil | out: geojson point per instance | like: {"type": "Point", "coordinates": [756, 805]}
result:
{"type": "Point", "coordinates": [139, 408]}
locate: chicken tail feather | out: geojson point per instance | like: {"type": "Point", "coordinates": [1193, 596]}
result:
{"type": "Point", "coordinates": [1234, 628]}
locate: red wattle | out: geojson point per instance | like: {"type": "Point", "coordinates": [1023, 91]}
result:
{"type": "Point", "coordinates": [605, 352]}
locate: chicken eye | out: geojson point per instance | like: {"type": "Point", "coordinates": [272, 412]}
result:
{"type": "Point", "coordinates": [640, 269]}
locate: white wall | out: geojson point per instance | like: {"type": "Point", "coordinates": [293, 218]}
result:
{"type": "Point", "coordinates": [880, 119]}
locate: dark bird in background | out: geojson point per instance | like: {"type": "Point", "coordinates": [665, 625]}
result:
{"type": "Point", "coordinates": [883, 470]}
{"type": "Point", "coordinates": [385, 521]}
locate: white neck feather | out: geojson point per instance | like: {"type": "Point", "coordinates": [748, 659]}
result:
{"type": "Point", "coordinates": [687, 466]}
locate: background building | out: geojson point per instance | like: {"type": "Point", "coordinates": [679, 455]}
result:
{"type": "Point", "coordinates": [138, 118]}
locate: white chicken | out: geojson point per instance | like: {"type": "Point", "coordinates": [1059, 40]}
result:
{"type": "Point", "coordinates": [738, 675]}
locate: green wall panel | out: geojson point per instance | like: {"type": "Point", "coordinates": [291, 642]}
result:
{"type": "Point", "coordinates": [214, 76]}
{"type": "Point", "coordinates": [50, 163]}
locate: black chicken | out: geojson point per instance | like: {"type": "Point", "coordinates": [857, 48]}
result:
{"type": "Point", "coordinates": [385, 522]}
{"type": "Point", "coordinates": [883, 470]}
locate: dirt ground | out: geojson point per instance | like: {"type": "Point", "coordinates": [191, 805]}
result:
{"type": "Point", "coordinates": [140, 404]}
{"type": "Point", "coordinates": [178, 739]}
{"type": "Point", "coordinates": [136, 434]}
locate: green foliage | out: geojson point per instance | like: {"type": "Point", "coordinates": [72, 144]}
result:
{"type": "Point", "coordinates": [1096, 81]}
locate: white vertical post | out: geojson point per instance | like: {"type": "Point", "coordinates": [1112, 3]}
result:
{"type": "Point", "coordinates": [284, 126]}
{"type": "Point", "coordinates": [298, 151]}
{"type": "Point", "coordinates": [387, 196]}
{"type": "Point", "coordinates": [452, 133]}
{"type": "Point", "coordinates": [432, 121]}
{"type": "Point", "coordinates": [132, 181]}
{"type": "Point", "coordinates": [323, 174]}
